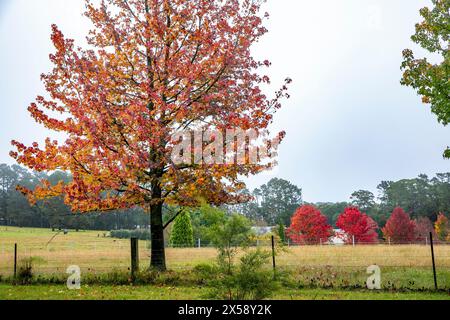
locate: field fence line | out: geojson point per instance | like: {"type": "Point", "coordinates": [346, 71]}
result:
{"type": "Point", "coordinates": [106, 255]}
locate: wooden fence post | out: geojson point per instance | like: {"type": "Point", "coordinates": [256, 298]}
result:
{"type": "Point", "coordinates": [434, 263]}
{"type": "Point", "coordinates": [134, 258]}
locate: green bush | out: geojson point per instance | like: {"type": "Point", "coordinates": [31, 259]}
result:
{"type": "Point", "coordinates": [206, 273]}
{"type": "Point", "coordinates": [140, 234]}
{"type": "Point", "coordinates": [250, 280]}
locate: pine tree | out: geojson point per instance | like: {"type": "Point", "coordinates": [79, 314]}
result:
{"type": "Point", "coordinates": [182, 233]}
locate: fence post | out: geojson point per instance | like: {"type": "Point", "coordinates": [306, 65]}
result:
{"type": "Point", "coordinates": [389, 239]}
{"type": "Point", "coordinates": [353, 240]}
{"type": "Point", "coordinates": [273, 258]}
{"type": "Point", "coordinates": [15, 260]}
{"type": "Point", "coordinates": [434, 263]}
{"type": "Point", "coordinates": [134, 258]}
{"type": "Point", "coordinates": [199, 243]}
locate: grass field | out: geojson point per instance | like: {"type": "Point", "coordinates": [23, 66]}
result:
{"type": "Point", "coordinates": [91, 250]}
{"type": "Point", "coordinates": [405, 267]}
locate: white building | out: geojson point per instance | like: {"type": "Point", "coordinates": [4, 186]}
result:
{"type": "Point", "coordinates": [339, 237]}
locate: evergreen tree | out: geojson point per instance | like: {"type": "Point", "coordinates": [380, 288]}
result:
{"type": "Point", "coordinates": [182, 233]}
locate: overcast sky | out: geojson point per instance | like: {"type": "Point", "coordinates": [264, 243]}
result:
{"type": "Point", "coordinates": [349, 123]}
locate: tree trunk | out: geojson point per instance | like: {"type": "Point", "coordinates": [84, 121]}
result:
{"type": "Point", "coordinates": [158, 255]}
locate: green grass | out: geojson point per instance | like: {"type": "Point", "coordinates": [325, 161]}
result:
{"type": "Point", "coordinates": [60, 292]}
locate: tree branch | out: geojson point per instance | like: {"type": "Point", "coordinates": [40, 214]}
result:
{"type": "Point", "coordinates": [172, 219]}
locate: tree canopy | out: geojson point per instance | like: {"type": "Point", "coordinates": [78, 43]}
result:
{"type": "Point", "coordinates": [155, 68]}
{"type": "Point", "coordinates": [431, 80]}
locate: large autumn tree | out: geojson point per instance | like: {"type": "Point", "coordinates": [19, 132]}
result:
{"type": "Point", "coordinates": [309, 226]}
{"type": "Point", "coordinates": [429, 78]}
{"type": "Point", "coordinates": [358, 226]}
{"type": "Point", "coordinates": [155, 68]}
{"type": "Point", "coordinates": [400, 228]}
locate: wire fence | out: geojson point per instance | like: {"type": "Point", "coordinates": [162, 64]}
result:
{"type": "Point", "coordinates": [325, 265]}
{"type": "Point", "coordinates": [402, 266]}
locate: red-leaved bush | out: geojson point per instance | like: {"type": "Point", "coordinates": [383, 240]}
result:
{"type": "Point", "coordinates": [309, 226]}
{"type": "Point", "coordinates": [400, 228]}
{"type": "Point", "coordinates": [358, 225]}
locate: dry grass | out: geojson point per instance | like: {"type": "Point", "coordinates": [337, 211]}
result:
{"type": "Point", "coordinates": [95, 253]}
{"type": "Point", "coordinates": [383, 255]}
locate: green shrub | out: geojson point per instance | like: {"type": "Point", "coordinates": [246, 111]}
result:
{"type": "Point", "coordinates": [248, 281]}
{"type": "Point", "coordinates": [206, 273]}
{"type": "Point", "coordinates": [140, 234]}
{"type": "Point", "coordinates": [228, 235]}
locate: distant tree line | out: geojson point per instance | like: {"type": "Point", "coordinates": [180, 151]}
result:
{"type": "Point", "coordinates": [15, 209]}
{"type": "Point", "coordinates": [273, 203]}
{"type": "Point", "coordinates": [310, 226]}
